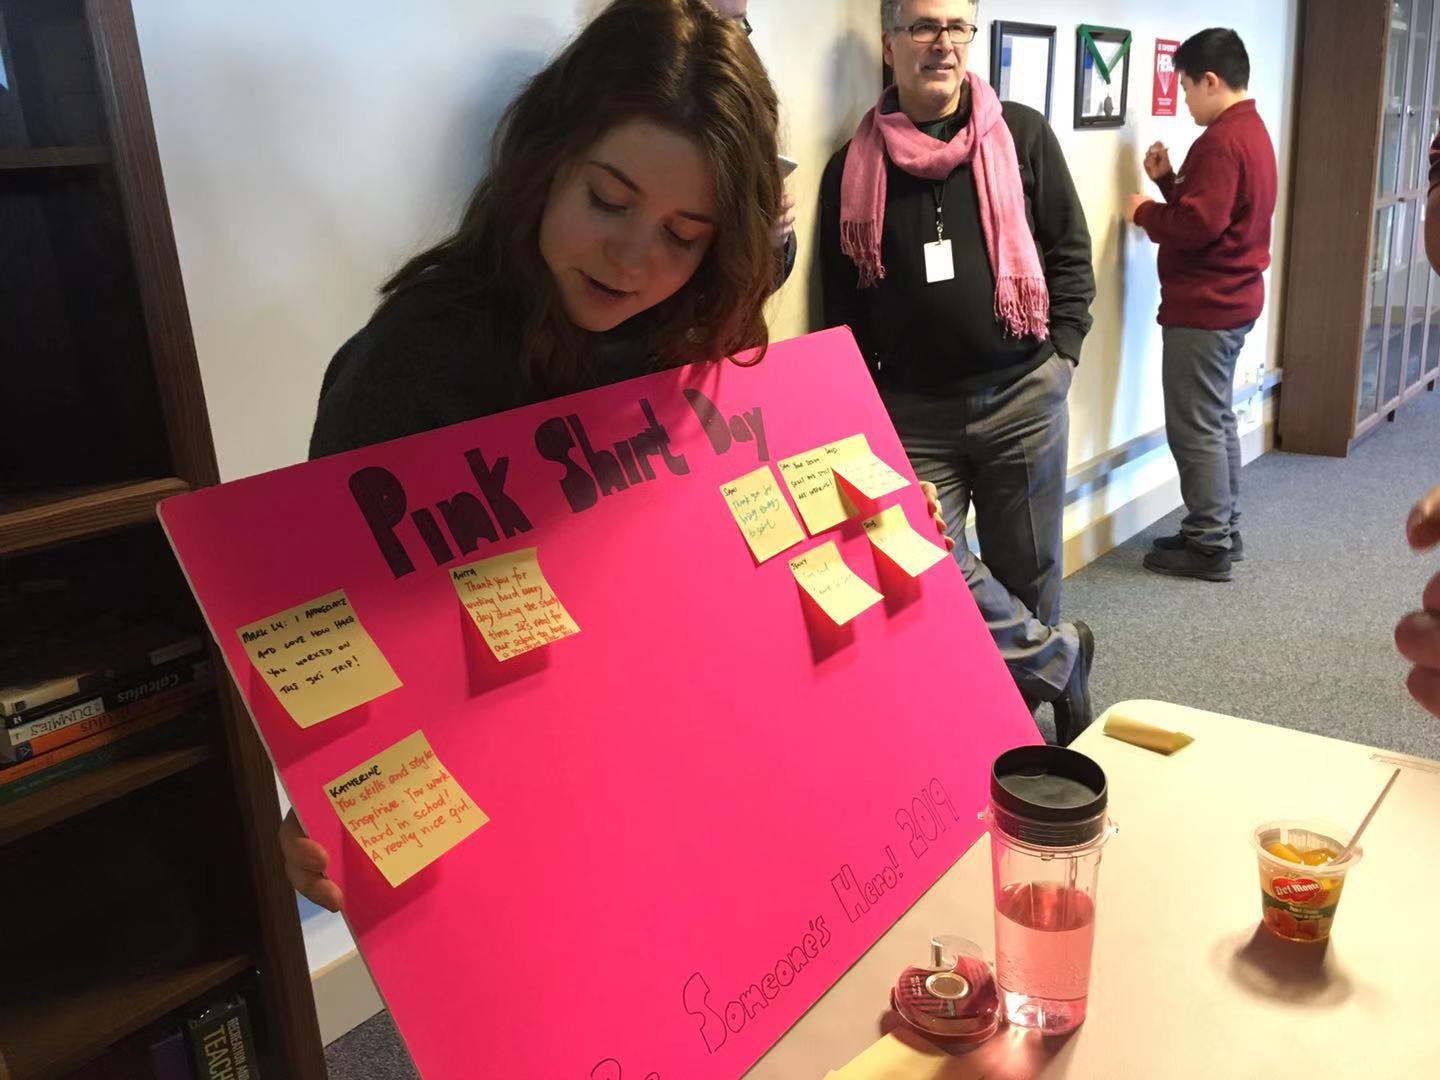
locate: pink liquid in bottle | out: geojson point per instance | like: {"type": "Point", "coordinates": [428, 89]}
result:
{"type": "Point", "coordinates": [1044, 935]}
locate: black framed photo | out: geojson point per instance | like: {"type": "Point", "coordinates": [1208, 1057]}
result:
{"type": "Point", "coordinates": [1102, 76]}
{"type": "Point", "coordinates": [1022, 64]}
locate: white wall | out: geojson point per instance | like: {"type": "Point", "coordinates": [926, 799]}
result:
{"type": "Point", "coordinates": [309, 147]}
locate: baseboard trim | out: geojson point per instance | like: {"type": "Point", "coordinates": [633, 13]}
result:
{"type": "Point", "coordinates": [345, 996]}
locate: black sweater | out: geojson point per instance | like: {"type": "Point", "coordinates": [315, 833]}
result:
{"type": "Point", "coordinates": [422, 363]}
{"type": "Point", "coordinates": [945, 337]}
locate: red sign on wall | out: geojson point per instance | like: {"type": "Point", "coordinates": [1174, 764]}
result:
{"type": "Point", "coordinates": [1167, 79]}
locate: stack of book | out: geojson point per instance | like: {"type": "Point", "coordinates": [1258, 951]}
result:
{"type": "Point", "coordinates": [216, 1043]}
{"type": "Point", "coordinates": [212, 1041]}
{"type": "Point", "coordinates": [69, 706]}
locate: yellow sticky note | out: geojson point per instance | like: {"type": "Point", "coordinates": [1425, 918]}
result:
{"type": "Point", "coordinates": [811, 481]}
{"type": "Point", "coordinates": [765, 518]}
{"type": "Point", "coordinates": [318, 659]}
{"type": "Point", "coordinates": [823, 574]}
{"type": "Point", "coordinates": [869, 475]}
{"type": "Point", "coordinates": [891, 533]}
{"type": "Point", "coordinates": [511, 603]}
{"type": "Point", "coordinates": [404, 808]}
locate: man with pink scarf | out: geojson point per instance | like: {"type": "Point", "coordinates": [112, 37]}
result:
{"type": "Point", "coordinates": [954, 246]}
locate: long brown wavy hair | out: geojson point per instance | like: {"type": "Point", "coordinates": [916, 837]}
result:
{"type": "Point", "coordinates": [676, 63]}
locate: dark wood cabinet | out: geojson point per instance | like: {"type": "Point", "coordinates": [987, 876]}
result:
{"type": "Point", "coordinates": [135, 889]}
{"type": "Point", "coordinates": [1362, 323]}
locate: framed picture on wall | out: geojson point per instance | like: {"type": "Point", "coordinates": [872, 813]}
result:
{"type": "Point", "coordinates": [1022, 63]}
{"type": "Point", "coordinates": [1102, 76]}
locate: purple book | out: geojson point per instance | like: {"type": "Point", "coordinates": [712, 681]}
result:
{"type": "Point", "coordinates": [170, 1058]}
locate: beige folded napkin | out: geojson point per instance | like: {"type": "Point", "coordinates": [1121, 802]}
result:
{"type": "Point", "coordinates": [901, 1055]}
{"type": "Point", "coordinates": [1138, 733]}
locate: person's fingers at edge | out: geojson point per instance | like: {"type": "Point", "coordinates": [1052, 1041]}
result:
{"type": "Point", "coordinates": [1423, 527]}
{"type": "Point", "coordinates": [1424, 687]}
{"type": "Point", "coordinates": [1430, 599]}
{"type": "Point", "coordinates": [327, 894]}
{"type": "Point", "coordinates": [309, 855]}
{"type": "Point", "coordinates": [1417, 636]}
{"type": "Point", "coordinates": [317, 888]}
{"type": "Point", "coordinates": [323, 892]}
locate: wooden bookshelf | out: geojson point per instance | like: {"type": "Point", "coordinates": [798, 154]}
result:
{"type": "Point", "coordinates": [50, 1035]}
{"type": "Point", "coordinates": [53, 157]}
{"type": "Point", "coordinates": [159, 872]}
{"type": "Point", "coordinates": [33, 521]}
{"type": "Point", "coordinates": [87, 791]}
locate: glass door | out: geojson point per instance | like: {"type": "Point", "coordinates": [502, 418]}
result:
{"type": "Point", "coordinates": [1432, 340]}
{"type": "Point", "coordinates": [1377, 290]}
{"type": "Point", "coordinates": [1418, 131]}
{"type": "Point", "coordinates": [1417, 302]}
{"type": "Point", "coordinates": [1417, 126]}
{"type": "Point", "coordinates": [1401, 260]}
{"type": "Point", "coordinates": [1397, 71]}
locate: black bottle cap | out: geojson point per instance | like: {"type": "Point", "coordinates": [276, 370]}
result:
{"type": "Point", "coordinates": [1048, 796]}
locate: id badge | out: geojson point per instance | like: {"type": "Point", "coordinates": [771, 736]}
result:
{"type": "Point", "coordinates": [939, 262]}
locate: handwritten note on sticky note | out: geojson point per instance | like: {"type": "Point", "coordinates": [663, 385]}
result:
{"type": "Point", "coordinates": [869, 475]}
{"type": "Point", "coordinates": [512, 604]}
{"type": "Point", "coordinates": [765, 518]}
{"type": "Point", "coordinates": [823, 574]}
{"type": "Point", "coordinates": [811, 481]}
{"type": "Point", "coordinates": [318, 659]}
{"type": "Point", "coordinates": [404, 808]}
{"type": "Point", "coordinates": [891, 533]}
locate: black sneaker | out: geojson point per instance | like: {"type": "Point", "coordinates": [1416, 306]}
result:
{"type": "Point", "coordinates": [1190, 561]}
{"type": "Point", "coordinates": [1074, 711]}
{"type": "Point", "coordinates": [1178, 542]}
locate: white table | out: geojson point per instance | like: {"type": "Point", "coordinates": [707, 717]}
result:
{"type": "Point", "coordinates": [1185, 982]}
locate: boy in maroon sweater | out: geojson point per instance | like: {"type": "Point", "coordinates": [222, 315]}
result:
{"type": "Point", "coordinates": [1214, 234]}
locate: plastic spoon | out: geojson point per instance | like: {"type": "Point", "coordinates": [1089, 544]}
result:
{"type": "Point", "coordinates": [1345, 854]}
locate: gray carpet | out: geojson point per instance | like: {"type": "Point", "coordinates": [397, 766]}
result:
{"type": "Point", "coordinates": [1301, 638]}
{"type": "Point", "coordinates": [373, 1051]}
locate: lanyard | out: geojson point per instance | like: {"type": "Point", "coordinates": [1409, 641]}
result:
{"type": "Point", "coordinates": [938, 189]}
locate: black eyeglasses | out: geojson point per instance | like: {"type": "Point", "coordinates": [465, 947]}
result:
{"type": "Point", "coordinates": [928, 31]}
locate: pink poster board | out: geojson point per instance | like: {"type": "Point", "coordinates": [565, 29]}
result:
{"type": "Point", "coordinates": [705, 806]}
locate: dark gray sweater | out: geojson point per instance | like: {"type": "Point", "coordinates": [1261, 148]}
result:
{"type": "Point", "coordinates": [422, 363]}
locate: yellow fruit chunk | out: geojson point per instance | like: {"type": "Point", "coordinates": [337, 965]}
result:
{"type": "Point", "coordinates": [1284, 851]}
{"type": "Point", "coordinates": [1318, 856]}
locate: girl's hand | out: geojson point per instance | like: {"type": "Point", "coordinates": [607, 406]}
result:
{"type": "Point", "coordinates": [932, 503]}
{"type": "Point", "coordinates": [305, 864]}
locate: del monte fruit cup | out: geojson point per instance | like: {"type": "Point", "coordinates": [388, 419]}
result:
{"type": "Point", "coordinates": [1302, 876]}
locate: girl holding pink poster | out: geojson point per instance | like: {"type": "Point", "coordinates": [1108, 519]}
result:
{"type": "Point", "coordinates": [625, 226]}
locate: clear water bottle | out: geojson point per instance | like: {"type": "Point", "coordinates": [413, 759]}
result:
{"type": "Point", "coordinates": [1048, 827]}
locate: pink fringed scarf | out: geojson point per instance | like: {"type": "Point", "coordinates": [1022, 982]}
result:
{"type": "Point", "coordinates": [1022, 299]}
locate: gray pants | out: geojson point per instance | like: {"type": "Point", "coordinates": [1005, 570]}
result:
{"type": "Point", "coordinates": [1199, 381]}
{"type": "Point", "coordinates": [1004, 450]}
